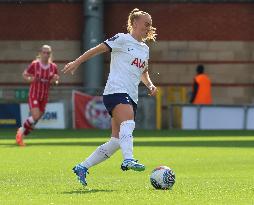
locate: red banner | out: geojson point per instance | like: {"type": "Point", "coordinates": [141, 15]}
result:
{"type": "Point", "coordinates": [89, 112]}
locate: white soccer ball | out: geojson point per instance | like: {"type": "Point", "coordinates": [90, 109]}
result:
{"type": "Point", "coordinates": [162, 177]}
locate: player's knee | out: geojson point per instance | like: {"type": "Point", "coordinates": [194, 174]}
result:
{"type": "Point", "coordinates": [121, 121]}
{"type": "Point", "coordinates": [115, 131]}
{"type": "Point", "coordinates": [36, 116]}
{"type": "Point", "coordinates": [123, 112]}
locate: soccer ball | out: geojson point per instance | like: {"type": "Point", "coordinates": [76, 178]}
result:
{"type": "Point", "coordinates": [162, 177]}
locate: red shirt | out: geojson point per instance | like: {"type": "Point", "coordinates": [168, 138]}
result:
{"type": "Point", "coordinates": [39, 88]}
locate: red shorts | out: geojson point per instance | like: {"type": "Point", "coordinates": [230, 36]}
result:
{"type": "Point", "coordinates": [35, 103]}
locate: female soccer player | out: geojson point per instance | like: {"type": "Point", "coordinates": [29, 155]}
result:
{"type": "Point", "coordinates": [40, 74]}
{"type": "Point", "coordinates": [129, 65]}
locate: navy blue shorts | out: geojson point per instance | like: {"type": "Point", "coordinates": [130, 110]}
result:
{"type": "Point", "coordinates": [112, 100]}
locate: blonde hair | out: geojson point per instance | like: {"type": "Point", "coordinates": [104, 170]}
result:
{"type": "Point", "coordinates": [135, 14]}
{"type": "Point", "coordinates": [38, 57]}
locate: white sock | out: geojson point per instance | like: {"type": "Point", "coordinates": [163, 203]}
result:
{"type": "Point", "coordinates": [126, 138]}
{"type": "Point", "coordinates": [31, 120]}
{"type": "Point", "coordinates": [102, 153]}
{"type": "Point", "coordinates": [22, 129]}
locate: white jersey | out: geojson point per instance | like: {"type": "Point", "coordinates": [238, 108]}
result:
{"type": "Point", "coordinates": [129, 59]}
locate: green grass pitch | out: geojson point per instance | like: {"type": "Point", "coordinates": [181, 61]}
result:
{"type": "Point", "coordinates": [212, 167]}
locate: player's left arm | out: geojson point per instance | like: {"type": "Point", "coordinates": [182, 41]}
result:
{"type": "Point", "coordinates": [145, 78]}
{"type": "Point", "coordinates": [56, 77]}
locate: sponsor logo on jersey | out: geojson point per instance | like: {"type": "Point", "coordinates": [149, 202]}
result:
{"type": "Point", "coordinates": [138, 63]}
{"type": "Point", "coordinates": [43, 80]}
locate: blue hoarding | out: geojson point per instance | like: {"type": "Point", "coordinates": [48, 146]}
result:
{"type": "Point", "coordinates": [10, 115]}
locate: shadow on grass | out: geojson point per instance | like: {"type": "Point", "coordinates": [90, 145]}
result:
{"type": "Point", "coordinates": [87, 191]}
{"type": "Point", "coordinates": [200, 143]}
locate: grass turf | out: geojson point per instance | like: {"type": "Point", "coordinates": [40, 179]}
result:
{"type": "Point", "coordinates": [212, 167]}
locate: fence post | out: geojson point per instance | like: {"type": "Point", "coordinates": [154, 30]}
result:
{"type": "Point", "coordinates": [171, 116]}
{"type": "Point", "coordinates": [198, 116]}
{"type": "Point", "coordinates": [246, 108]}
{"type": "Point", "coordinates": [158, 108]}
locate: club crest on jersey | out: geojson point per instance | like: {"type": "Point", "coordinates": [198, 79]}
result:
{"type": "Point", "coordinates": [138, 63]}
{"type": "Point", "coordinates": [113, 38]}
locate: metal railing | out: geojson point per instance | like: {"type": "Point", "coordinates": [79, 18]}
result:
{"type": "Point", "coordinates": [243, 115]}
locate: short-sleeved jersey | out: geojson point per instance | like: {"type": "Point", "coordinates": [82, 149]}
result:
{"type": "Point", "coordinates": [129, 59]}
{"type": "Point", "coordinates": [43, 74]}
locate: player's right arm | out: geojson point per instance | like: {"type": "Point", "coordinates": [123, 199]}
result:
{"type": "Point", "coordinates": [72, 66]}
{"type": "Point", "coordinates": [29, 73]}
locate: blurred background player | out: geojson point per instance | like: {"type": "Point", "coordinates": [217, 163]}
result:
{"type": "Point", "coordinates": [129, 66]}
{"type": "Point", "coordinates": [201, 89]}
{"type": "Point", "coordinates": [40, 74]}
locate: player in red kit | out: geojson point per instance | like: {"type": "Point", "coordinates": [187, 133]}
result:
{"type": "Point", "coordinates": [41, 73]}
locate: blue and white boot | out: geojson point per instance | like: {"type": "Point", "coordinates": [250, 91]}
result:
{"type": "Point", "coordinates": [81, 172]}
{"type": "Point", "coordinates": [132, 164]}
